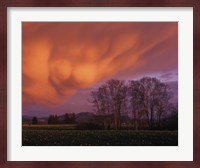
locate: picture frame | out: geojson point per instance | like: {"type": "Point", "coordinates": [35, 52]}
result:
{"type": "Point", "coordinates": [89, 3]}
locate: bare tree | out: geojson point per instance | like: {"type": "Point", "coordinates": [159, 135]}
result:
{"type": "Point", "coordinates": [99, 100]}
{"type": "Point", "coordinates": [136, 95]}
{"type": "Point", "coordinates": [117, 91]}
{"type": "Point", "coordinates": [149, 99]}
{"type": "Point", "coordinates": [110, 99]}
{"type": "Point", "coordinates": [162, 101]}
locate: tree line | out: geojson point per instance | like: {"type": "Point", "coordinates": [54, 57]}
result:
{"type": "Point", "coordinates": [68, 119]}
{"type": "Point", "coordinates": [54, 119]}
{"type": "Point", "coordinates": [147, 101]}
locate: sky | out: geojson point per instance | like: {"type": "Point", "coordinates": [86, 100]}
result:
{"type": "Point", "coordinates": [63, 61]}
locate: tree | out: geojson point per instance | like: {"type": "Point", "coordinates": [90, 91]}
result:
{"type": "Point", "coordinates": [70, 118]}
{"type": "Point", "coordinates": [53, 119]}
{"type": "Point", "coordinates": [162, 102]}
{"type": "Point", "coordinates": [136, 95]}
{"type": "Point", "coordinates": [56, 119]}
{"type": "Point", "coordinates": [149, 99]}
{"type": "Point", "coordinates": [171, 120]}
{"type": "Point", "coordinates": [34, 120]}
{"type": "Point", "coordinates": [73, 118]}
{"type": "Point", "coordinates": [117, 91]}
{"type": "Point", "coordinates": [66, 119]}
{"type": "Point", "coordinates": [109, 98]}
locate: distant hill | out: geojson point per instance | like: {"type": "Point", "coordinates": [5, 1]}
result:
{"type": "Point", "coordinates": [85, 117]}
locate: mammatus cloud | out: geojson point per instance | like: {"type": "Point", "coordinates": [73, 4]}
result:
{"type": "Point", "coordinates": [60, 58]}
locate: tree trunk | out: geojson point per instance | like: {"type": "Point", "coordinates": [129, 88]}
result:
{"type": "Point", "coordinates": [151, 118]}
{"type": "Point", "coordinates": [116, 121]}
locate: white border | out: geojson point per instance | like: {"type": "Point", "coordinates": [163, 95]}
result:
{"type": "Point", "coordinates": [183, 152]}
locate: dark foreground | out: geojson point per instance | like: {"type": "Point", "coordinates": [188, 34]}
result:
{"type": "Point", "coordinates": [35, 137]}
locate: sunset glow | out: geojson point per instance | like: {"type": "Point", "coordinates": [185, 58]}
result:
{"type": "Point", "coordinates": [63, 61]}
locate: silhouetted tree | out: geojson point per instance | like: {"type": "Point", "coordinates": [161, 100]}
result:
{"type": "Point", "coordinates": [136, 101]}
{"type": "Point", "coordinates": [70, 118]}
{"type": "Point", "coordinates": [110, 99]}
{"type": "Point", "coordinates": [171, 121]}
{"type": "Point", "coordinates": [149, 100]}
{"type": "Point", "coordinates": [73, 118]}
{"type": "Point", "coordinates": [56, 119]}
{"type": "Point", "coordinates": [117, 91]}
{"type": "Point", "coordinates": [34, 120]}
{"type": "Point", "coordinates": [53, 119]}
{"type": "Point", "coordinates": [66, 119]}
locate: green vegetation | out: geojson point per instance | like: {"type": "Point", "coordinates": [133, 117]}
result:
{"type": "Point", "coordinates": [64, 135]}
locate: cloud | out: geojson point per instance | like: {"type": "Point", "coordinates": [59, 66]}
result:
{"type": "Point", "coordinates": [61, 57]}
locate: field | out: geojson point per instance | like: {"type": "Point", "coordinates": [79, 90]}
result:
{"type": "Point", "coordinates": [50, 127]}
{"type": "Point", "coordinates": [65, 135]}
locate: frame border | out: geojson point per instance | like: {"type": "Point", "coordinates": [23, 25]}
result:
{"type": "Point", "coordinates": [4, 4]}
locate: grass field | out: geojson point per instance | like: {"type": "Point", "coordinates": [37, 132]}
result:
{"type": "Point", "coordinates": [65, 135]}
{"type": "Point", "coordinates": [50, 127]}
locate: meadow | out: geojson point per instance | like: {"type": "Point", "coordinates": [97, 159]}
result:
{"type": "Point", "coordinates": [66, 135]}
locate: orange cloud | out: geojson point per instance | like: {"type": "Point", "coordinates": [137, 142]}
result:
{"type": "Point", "coordinates": [59, 58]}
